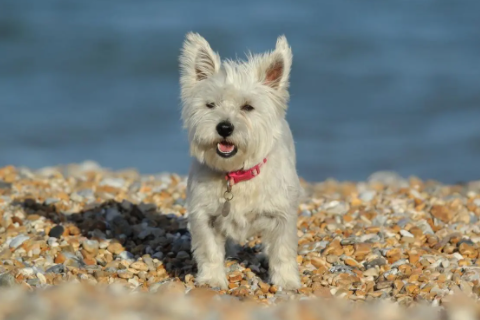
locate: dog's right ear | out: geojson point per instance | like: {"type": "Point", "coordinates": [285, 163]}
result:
{"type": "Point", "coordinates": [197, 60]}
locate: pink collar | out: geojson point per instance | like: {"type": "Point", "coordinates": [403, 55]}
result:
{"type": "Point", "coordinates": [244, 175]}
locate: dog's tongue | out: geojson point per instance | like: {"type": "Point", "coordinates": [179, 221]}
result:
{"type": "Point", "coordinates": [225, 147]}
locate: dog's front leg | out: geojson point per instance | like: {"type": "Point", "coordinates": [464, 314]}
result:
{"type": "Point", "coordinates": [209, 251]}
{"type": "Point", "coordinates": [280, 240]}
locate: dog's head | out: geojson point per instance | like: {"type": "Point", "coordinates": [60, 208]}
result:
{"type": "Point", "coordinates": [233, 110]}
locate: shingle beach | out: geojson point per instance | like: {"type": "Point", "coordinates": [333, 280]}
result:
{"type": "Point", "coordinates": [122, 238]}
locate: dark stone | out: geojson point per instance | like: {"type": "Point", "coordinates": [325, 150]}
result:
{"type": "Point", "coordinates": [376, 262]}
{"type": "Point", "coordinates": [58, 268]}
{"type": "Point", "coordinates": [341, 269]}
{"type": "Point", "coordinates": [181, 245]}
{"type": "Point", "coordinates": [56, 232]}
{"type": "Point", "coordinates": [183, 231]}
{"type": "Point", "coordinates": [121, 226]}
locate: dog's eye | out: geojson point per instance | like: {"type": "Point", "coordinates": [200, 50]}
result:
{"type": "Point", "coordinates": [211, 105]}
{"type": "Point", "coordinates": [247, 107]}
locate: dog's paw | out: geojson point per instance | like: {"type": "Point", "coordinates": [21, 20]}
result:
{"type": "Point", "coordinates": [290, 282]}
{"type": "Point", "coordinates": [214, 280]}
{"type": "Point", "coordinates": [286, 277]}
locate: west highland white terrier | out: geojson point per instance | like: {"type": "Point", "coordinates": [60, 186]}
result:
{"type": "Point", "coordinates": [243, 180]}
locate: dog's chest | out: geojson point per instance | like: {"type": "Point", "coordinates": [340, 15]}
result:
{"type": "Point", "coordinates": [238, 221]}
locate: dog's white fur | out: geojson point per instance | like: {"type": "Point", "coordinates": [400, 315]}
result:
{"type": "Point", "coordinates": [266, 204]}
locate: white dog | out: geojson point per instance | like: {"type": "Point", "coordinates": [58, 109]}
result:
{"type": "Point", "coordinates": [243, 179]}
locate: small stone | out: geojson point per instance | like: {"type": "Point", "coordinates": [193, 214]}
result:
{"type": "Point", "coordinates": [90, 261]}
{"type": "Point", "coordinates": [413, 258]}
{"type": "Point", "coordinates": [405, 233]}
{"type": "Point", "coordinates": [332, 258]}
{"type": "Point", "coordinates": [336, 208]}
{"type": "Point", "coordinates": [362, 249]}
{"type": "Point", "coordinates": [398, 284]}
{"type": "Point", "coordinates": [375, 262]}
{"type": "Point", "coordinates": [124, 274]}
{"type": "Point", "coordinates": [235, 276]}
{"type": "Point", "coordinates": [139, 265]}
{"type": "Point", "coordinates": [91, 246]}
{"type": "Point", "coordinates": [58, 268]}
{"type": "Point", "coordinates": [351, 262]}
{"type": "Point", "coordinates": [5, 254]}
{"type": "Point", "coordinates": [111, 214]}
{"type": "Point", "coordinates": [60, 258]}
{"type": "Point", "coordinates": [264, 287]}
{"type": "Point", "coordinates": [442, 213]}
{"type": "Point", "coordinates": [113, 182]}
{"type": "Point", "coordinates": [241, 291]}
{"type": "Point", "coordinates": [18, 241]}
{"type": "Point", "coordinates": [233, 285]}
{"type": "Point", "coordinates": [182, 255]}
{"type": "Point", "coordinates": [317, 262]}
{"type": "Point", "coordinates": [50, 201]}
{"type": "Point", "coordinates": [468, 251]}
{"type": "Point", "coordinates": [41, 278]}
{"type": "Point", "coordinates": [305, 290]}
{"type": "Point", "coordinates": [6, 280]}
{"type": "Point", "coordinates": [73, 230]}
{"type": "Point", "coordinates": [399, 263]}
{"type": "Point", "coordinates": [125, 255]}
{"type": "Point", "coordinates": [372, 272]}
{"type": "Point", "coordinates": [412, 288]}
{"type": "Point", "coordinates": [306, 213]}
{"type": "Point", "coordinates": [367, 196]}
{"type": "Point", "coordinates": [383, 285]}
{"type": "Point", "coordinates": [56, 232]}
{"type": "Point", "coordinates": [115, 248]}
{"type": "Point", "coordinates": [341, 269]}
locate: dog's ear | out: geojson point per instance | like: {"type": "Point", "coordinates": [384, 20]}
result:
{"type": "Point", "coordinates": [197, 60]}
{"type": "Point", "coordinates": [275, 69]}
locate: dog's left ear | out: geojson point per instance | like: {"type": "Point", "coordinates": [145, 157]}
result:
{"type": "Point", "coordinates": [198, 61]}
{"type": "Point", "coordinates": [275, 69]}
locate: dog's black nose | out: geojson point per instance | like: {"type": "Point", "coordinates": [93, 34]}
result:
{"type": "Point", "coordinates": [225, 128]}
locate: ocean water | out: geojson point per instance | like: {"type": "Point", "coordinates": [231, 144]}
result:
{"type": "Point", "coordinates": [375, 85]}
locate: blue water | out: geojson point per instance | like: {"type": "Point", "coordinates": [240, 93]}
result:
{"type": "Point", "coordinates": [376, 85]}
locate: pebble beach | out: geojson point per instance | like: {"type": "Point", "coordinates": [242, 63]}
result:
{"type": "Point", "coordinates": [119, 239]}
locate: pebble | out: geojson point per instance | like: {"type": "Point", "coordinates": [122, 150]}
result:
{"type": "Point", "coordinates": [6, 280]}
{"type": "Point", "coordinates": [405, 233]}
{"type": "Point", "coordinates": [341, 269]}
{"type": "Point", "coordinates": [112, 213]}
{"type": "Point", "coordinates": [58, 268]}
{"type": "Point", "coordinates": [18, 241]}
{"type": "Point", "coordinates": [113, 182]}
{"type": "Point", "coordinates": [90, 246]}
{"type": "Point", "coordinates": [115, 248]}
{"type": "Point", "coordinates": [367, 196]}
{"type": "Point", "coordinates": [56, 232]}
{"type": "Point", "coordinates": [125, 255]}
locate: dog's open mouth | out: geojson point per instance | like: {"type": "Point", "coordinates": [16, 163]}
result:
{"type": "Point", "coordinates": [226, 149]}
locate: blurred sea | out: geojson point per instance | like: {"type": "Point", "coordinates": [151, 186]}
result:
{"type": "Point", "coordinates": [376, 85]}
